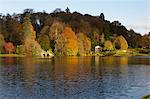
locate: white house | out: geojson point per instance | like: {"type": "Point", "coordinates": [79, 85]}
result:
{"type": "Point", "coordinates": [98, 48]}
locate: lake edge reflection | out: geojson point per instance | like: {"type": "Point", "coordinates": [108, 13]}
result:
{"type": "Point", "coordinates": [74, 77]}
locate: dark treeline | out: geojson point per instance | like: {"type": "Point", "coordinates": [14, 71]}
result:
{"type": "Point", "coordinates": [47, 25]}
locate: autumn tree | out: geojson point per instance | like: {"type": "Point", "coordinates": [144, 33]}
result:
{"type": "Point", "coordinates": [44, 41]}
{"type": "Point", "coordinates": [9, 47]}
{"type": "Point", "coordinates": [60, 46]}
{"type": "Point", "coordinates": [108, 45]}
{"type": "Point", "coordinates": [29, 34]}
{"type": "Point", "coordinates": [32, 47]}
{"type": "Point", "coordinates": [144, 41]}
{"type": "Point", "coordinates": [102, 39]}
{"type": "Point", "coordinates": [20, 50]}
{"type": "Point", "coordinates": [84, 44]}
{"type": "Point", "coordinates": [121, 43]}
{"type": "Point", "coordinates": [2, 42]}
{"type": "Point", "coordinates": [95, 38]}
{"type": "Point", "coordinates": [84, 26]}
{"type": "Point", "coordinates": [56, 28]}
{"type": "Point", "coordinates": [68, 41]}
{"type": "Point", "coordinates": [28, 29]}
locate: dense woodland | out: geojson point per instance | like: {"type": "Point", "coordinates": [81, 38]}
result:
{"type": "Point", "coordinates": [64, 33]}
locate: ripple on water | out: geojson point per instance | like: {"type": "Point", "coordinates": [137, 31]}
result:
{"type": "Point", "coordinates": [50, 80]}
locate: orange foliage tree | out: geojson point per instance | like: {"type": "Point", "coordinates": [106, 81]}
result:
{"type": "Point", "coordinates": [84, 44]}
{"type": "Point", "coordinates": [66, 43]}
{"type": "Point", "coordinates": [9, 47]}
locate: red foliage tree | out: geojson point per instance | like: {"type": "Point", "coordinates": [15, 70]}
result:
{"type": "Point", "coordinates": [9, 47]}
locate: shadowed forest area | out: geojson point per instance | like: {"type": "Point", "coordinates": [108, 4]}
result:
{"type": "Point", "coordinates": [65, 33]}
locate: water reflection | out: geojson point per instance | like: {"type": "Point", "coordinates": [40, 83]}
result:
{"type": "Point", "coordinates": [74, 77]}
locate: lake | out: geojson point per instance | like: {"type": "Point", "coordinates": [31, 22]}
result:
{"type": "Point", "coordinates": [75, 77]}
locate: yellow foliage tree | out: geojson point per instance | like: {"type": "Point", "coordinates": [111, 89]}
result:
{"type": "Point", "coordinates": [68, 42]}
{"type": "Point", "coordinates": [121, 43]}
{"type": "Point", "coordinates": [60, 45]}
{"type": "Point", "coordinates": [56, 29]}
{"type": "Point", "coordinates": [108, 45]}
{"type": "Point", "coordinates": [84, 44]}
{"type": "Point", "coordinates": [28, 29]}
{"type": "Point", "coordinates": [32, 47]}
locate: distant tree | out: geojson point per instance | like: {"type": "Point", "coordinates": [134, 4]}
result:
{"type": "Point", "coordinates": [67, 10]}
{"type": "Point", "coordinates": [133, 38]}
{"type": "Point", "coordinates": [47, 20]}
{"type": "Point", "coordinates": [116, 23]}
{"type": "Point", "coordinates": [107, 30]}
{"type": "Point", "coordinates": [102, 16]}
{"type": "Point", "coordinates": [57, 10]}
{"type": "Point", "coordinates": [9, 47]}
{"type": "Point", "coordinates": [28, 10]}
{"type": "Point", "coordinates": [108, 45]}
{"type": "Point", "coordinates": [84, 26]}
{"type": "Point", "coordinates": [44, 11]}
{"type": "Point", "coordinates": [121, 43]}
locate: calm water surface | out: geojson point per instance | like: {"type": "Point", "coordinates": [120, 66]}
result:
{"type": "Point", "coordinates": [75, 78]}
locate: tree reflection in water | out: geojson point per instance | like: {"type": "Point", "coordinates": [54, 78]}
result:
{"type": "Point", "coordinates": [74, 77]}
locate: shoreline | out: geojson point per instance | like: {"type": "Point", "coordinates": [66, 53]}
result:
{"type": "Point", "coordinates": [129, 52]}
{"type": "Point", "coordinates": [101, 55]}
{"type": "Point", "coordinates": [11, 55]}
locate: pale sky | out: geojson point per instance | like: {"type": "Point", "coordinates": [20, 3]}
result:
{"type": "Point", "coordinates": [133, 14]}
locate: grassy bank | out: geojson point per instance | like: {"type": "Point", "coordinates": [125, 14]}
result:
{"type": "Point", "coordinates": [129, 52]}
{"type": "Point", "coordinates": [11, 55]}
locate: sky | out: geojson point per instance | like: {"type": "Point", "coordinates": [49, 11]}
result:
{"type": "Point", "coordinates": [134, 14]}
